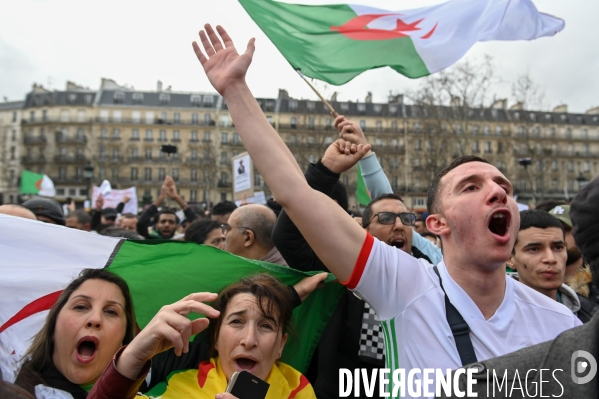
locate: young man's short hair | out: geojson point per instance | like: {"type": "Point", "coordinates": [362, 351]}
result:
{"type": "Point", "coordinates": [199, 230]}
{"type": "Point", "coordinates": [367, 214]}
{"type": "Point", "coordinates": [81, 216]}
{"type": "Point", "coordinates": [223, 208]}
{"type": "Point", "coordinates": [432, 202]}
{"type": "Point", "coordinates": [539, 219]}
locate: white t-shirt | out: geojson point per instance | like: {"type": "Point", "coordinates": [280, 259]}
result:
{"type": "Point", "coordinates": [406, 294]}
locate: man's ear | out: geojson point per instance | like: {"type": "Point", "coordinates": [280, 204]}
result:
{"type": "Point", "coordinates": [437, 224]}
{"type": "Point", "coordinates": [511, 262]}
{"type": "Point", "coordinates": [249, 238]}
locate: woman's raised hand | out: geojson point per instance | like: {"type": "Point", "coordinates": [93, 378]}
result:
{"type": "Point", "coordinates": [169, 328]}
{"type": "Point", "coordinates": [222, 64]}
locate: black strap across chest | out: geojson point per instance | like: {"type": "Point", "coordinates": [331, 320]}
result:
{"type": "Point", "coordinates": [459, 329]}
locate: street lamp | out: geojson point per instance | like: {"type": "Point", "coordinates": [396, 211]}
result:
{"type": "Point", "coordinates": [582, 181]}
{"type": "Point", "coordinates": [526, 162]}
{"type": "Point", "coordinates": [88, 173]}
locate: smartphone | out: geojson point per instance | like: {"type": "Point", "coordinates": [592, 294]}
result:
{"type": "Point", "coordinates": [244, 385]}
{"type": "Point", "coordinates": [69, 200]}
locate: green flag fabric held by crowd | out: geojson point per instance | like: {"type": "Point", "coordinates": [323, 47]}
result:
{"type": "Point", "coordinates": [335, 43]}
{"type": "Point", "coordinates": [362, 194]}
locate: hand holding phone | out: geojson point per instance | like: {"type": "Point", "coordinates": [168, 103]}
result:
{"type": "Point", "coordinates": [244, 385]}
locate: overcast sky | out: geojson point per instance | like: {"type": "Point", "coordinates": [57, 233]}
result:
{"type": "Point", "coordinates": [139, 42]}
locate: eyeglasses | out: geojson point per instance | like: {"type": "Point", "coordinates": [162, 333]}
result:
{"type": "Point", "coordinates": [406, 218]}
{"type": "Point", "coordinates": [225, 228]}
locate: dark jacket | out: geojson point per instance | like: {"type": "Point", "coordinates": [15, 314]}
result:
{"type": "Point", "coordinates": [28, 379]}
{"type": "Point", "coordinates": [340, 342]}
{"type": "Point", "coordinates": [557, 356]}
{"type": "Point", "coordinates": [146, 217]}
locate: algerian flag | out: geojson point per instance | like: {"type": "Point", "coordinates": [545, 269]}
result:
{"type": "Point", "coordinates": [36, 183]}
{"type": "Point", "coordinates": [335, 43]}
{"type": "Point", "coordinates": [38, 260]}
{"type": "Point", "coordinates": [362, 194]}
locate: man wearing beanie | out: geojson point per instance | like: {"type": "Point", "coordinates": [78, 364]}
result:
{"type": "Point", "coordinates": [569, 361]}
{"type": "Point", "coordinates": [46, 210]}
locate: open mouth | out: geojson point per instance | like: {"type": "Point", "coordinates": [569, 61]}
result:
{"type": "Point", "coordinates": [245, 363]}
{"type": "Point", "coordinates": [87, 348]}
{"type": "Point", "coordinates": [499, 223]}
{"type": "Point", "coordinates": [398, 243]}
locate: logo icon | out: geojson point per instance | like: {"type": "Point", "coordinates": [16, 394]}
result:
{"type": "Point", "coordinates": [583, 362]}
{"type": "Point", "coordinates": [558, 210]}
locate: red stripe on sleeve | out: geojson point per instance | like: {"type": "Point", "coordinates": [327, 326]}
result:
{"type": "Point", "coordinates": [356, 274]}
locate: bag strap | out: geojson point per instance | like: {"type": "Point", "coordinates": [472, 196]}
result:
{"type": "Point", "coordinates": [459, 328]}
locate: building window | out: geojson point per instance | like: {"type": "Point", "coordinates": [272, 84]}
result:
{"type": "Point", "coordinates": [488, 147]}
{"type": "Point", "coordinates": [116, 134]}
{"type": "Point", "coordinates": [379, 126]}
{"type": "Point", "coordinates": [164, 98]}
{"type": "Point", "coordinates": [133, 174]}
{"type": "Point", "coordinates": [115, 174]}
{"type": "Point", "coordinates": [161, 174]}
{"type": "Point", "coordinates": [162, 135]}
{"type": "Point", "coordinates": [586, 166]}
{"type": "Point", "coordinates": [176, 174]}
{"type": "Point", "coordinates": [135, 134]}
{"type": "Point", "coordinates": [135, 116]}
{"type": "Point", "coordinates": [149, 135]}
{"type": "Point", "coordinates": [500, 148]}
{"type": "Point", "coordinates": [134, 153]}
{"type": "Point", "coordinates": [193, 195]}
{"type": "Point", "coordinates": [207, 120]}
{"type": "Point", "coordinates": [257, 179]}
{"type": "Point", "coordinates": [176, 135]}
{"type": "Point", "coordinates": [196, 100]}
{"type": "Point", "coordinates": [195, 118]}
{"type": "Point", "coordinates": [194, 155]}
{"type": "Point", "coordinates": [223, 158]}
{"type": "Point", "coordinates": [417, 145]}
{"type": "Point", "coordinates": [103, 133]}
{"type": "Point", "coordinates": [194, 136]}
{"type": "Point", "coordinates": [568, 133]}
{"type": "Point", "coordinates": [474, 130]}
{"type": "Point", "coordinates": [293, 123]}
{"type": "Point", "coordinates": [235, 138]}
{"type": "Point", "coordinates": [194, 175]}
{"type": "Point", "coordinates": [224, 138]}
{"type": "Point", "coordinates": [311, 123]}
{"type": "Point", "coordinates": [13, 151]}
{"type": "Point", "coordinates": [119, 97]}
{"type": "Point", "coordinates": [554, 166]}
{"type": "Point", "coordinates": [207, 137]}
{"type": "Point", "coordinates": [14, 118]}
{"type": "Point", "coordinates": [570, 166]}
{"type": "Point", "coordinates": [137, 98]}
{"type": "Point", "coordinates": [498, 130]}
{"type": "Point", "coordinates": [148, 153]}
{"type": "Point", "coordinates": [363, 124]}
{"type": "Point", "coordinates": [149, 117]}
{"type": "Point", "coordinates": [208, 101]}
{"type": "Point", "coordinates": [176, 117]}
{"type": "Point", "coordinates": [475, 148]}
{"type": "Point", "coordinates": [31, 116]}
{"type": "Point", "coordinates": [148, 174]}
{"type": "Point", "coordinates": [116, 154]}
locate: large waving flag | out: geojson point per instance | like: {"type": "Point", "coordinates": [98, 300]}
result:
{"type": "Point", "coordinates": [335, 43]}
{"type": "Point", "coordinates": [38, 260]}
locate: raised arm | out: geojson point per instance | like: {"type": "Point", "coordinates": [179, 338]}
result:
{"type": "Point", "coordinates": [334, 236]}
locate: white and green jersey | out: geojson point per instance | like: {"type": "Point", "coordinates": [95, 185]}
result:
{"type": "Point", "coordinates": [408, 299]}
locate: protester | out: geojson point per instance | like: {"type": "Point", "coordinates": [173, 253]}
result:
{"type": "Point", "coordinates": [248, 234]}
{"type": "Point", "coordinates": [252, 324]}
{"type": "Point", "coordinates": [17, 210]}
{"type": "Point", "coordinates": [429, 236]}
{"type": "Point", "coordinates": [114, 231]}
{"type": "Point", "coordinates": [90, 321]}
{"type": "Point", "coordinates": [207, 232]}
{"type": "Point", "coordinates": [46, 210]}
{"type": "Point", "coordinates": [420, 226]}
{"type": "Point", "coordinates": [128, 221]}
{"type": "Point", "coordinates": [221, 211]}
{"type": "Point", "coordinates": [471, 208]}
{"type": "Point", "coordinates": [80, 220]}
{"type": "Point", "coordinates": [539, 257]}
{"type": "Point", "coordinates": [165, 220]}
{"type": "Point", "coordinates": [575, 260]}
{"type": "Point", "coordinates": [566, 357]}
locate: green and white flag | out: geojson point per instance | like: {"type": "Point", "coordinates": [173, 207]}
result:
{"type": "Point", "coordinates": [335, 43]}
{"type": "Point", "coordinates": [38, 260]}
{"type": "Point", "coordinates": [362, 194]}
{"type": "Point", "coordinates": [36, 183]}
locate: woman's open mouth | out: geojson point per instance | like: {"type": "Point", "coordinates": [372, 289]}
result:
{"type": "Point", "coordinates": [87, 348]}
{"type": "Point", "coordinates": [244, 363]}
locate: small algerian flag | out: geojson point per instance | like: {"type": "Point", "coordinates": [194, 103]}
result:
{"type": "Point", "coordinates": [335, 43]}
{"type": "Point", "coordinates": [36, 183]}
{"type": "Point", "coordinates": [38, 260]}
{"type": "Point", "coordinates": [362, 194]}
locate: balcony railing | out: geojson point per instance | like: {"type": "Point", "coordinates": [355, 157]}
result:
{"type": "Point", "coordinates": [34, 140]}
{"type": "Point", "coordinates": [71, 140]}
{"type": "Point", "coordinates": [70, 158]}
{"type": "Point", "coordinates": [158, 121]}
{"type": "Point", "coordinates": [32, 159]}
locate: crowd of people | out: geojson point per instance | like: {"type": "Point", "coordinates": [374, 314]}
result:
{"type": "Point", "coordinates": [472, 281]}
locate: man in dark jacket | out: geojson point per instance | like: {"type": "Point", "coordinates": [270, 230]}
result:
{"type": "Point", "coordinates": [165, 220]}
{"type": "Point", "coordinates": [569, 362]}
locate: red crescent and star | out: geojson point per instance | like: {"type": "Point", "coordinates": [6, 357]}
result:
{"type": "Point", "coordinates": [356, 28]}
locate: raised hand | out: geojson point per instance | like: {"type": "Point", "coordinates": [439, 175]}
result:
{"type": "Point", "coordinates": [223, 65]}
{"type": "Point", "coordinates": [342, 155]}
{"type": "Point", "coordinates": [169, 328]}
{"type": "Point", "coordinates": [308, 284]}
{"type": "Point", "coordinates": [99, 203]}
{"type": "Point", "coordinates": [350, 131]}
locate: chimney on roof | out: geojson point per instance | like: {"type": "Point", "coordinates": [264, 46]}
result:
{"type": "Point", "coordinates": [334, 97]}
{"type": "Point", "coordinates": [518, 106]}
{"type": "Point", "coordinates": [73, 86]}
{"type": "Point", "coordinates": [562, 108]}
{"type": "Point", "coordinates": [168, 89]}
{"type": "Point", "coordinates": [283, 94]}
{"type": "Point", "coordinates": [368, 97]}
{"type": "Point", "coordinates": [159, 86]}
{"type": "Point", "coordinates": [395, 99]}
{"type": "Point", "coordinates": [593, 111]}
{"type": "Point", "coordinates": [500, 104]}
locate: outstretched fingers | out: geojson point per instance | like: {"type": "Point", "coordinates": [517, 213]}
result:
{"type": "Point", "coordinates": [225, 36]}
{"type": "Point", "coordinates": [214, 39]}
{"type": "Point", "coordinates": [207, 45]}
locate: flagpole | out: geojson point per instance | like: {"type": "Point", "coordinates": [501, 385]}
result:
{"type": "Point", "coordinates": [326, 103]}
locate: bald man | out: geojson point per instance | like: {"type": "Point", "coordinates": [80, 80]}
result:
{"type": "Point", "coordinates": [248, 232]}
{"type": "Point", "coordinates": [17, 210]}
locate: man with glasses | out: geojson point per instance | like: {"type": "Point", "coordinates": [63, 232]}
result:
{"type": "Point", "coordinates": [248, 232]}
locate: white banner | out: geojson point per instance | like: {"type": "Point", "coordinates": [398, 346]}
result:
{"type": "Point", "coordinates": [114, 197]}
